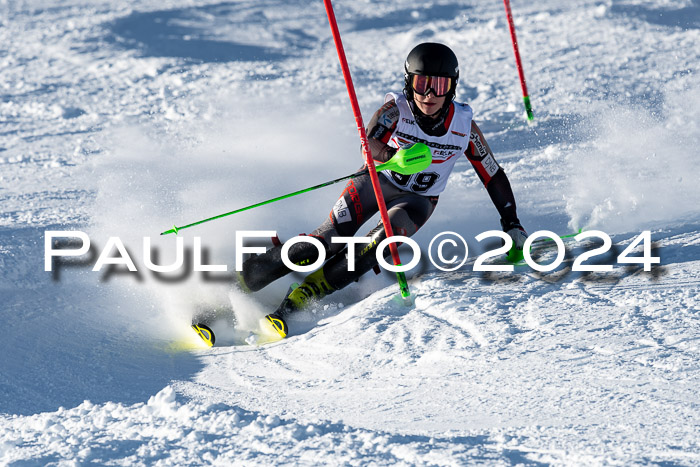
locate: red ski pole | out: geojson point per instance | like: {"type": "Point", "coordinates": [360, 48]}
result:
{"type": "Point", "coordinates": [366, 152]}
{"type": "Point", "coordinates": [511, 27]}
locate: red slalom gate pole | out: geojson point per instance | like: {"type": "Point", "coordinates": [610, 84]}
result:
{"type": "Point", "coordinates": [511, 27]}
{"type": "Point", "coordinates": [366, 152]}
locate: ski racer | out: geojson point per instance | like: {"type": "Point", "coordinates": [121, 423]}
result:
{"type": "Point", "coordinates": [425, 112]}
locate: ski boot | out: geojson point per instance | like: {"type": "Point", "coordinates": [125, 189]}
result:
{"type": "Point", "coordinates": [314, 287]}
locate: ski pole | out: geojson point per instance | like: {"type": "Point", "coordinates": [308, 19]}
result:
{"type": "Point", "coordinates": [518, 63]}
{"type": "Point", "coordinates": [406, 161]}
{"type": "Point", "coordinates": [367, 153]}
{"type": "Point", "coordinates": [176, 229]}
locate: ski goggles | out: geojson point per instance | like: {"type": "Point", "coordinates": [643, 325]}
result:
{"type": "Point", "coordinates": [440, 85]}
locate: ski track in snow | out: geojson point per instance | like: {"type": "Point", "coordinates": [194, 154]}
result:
{"type": "Point", "coordinates": [120, 119]}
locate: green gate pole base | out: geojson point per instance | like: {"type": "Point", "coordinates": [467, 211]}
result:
{"type": "Point", "coordinates": [515, 255]}
{"type": "Point", "coordinates": [405, 298]}
{"type": "Point", "coordinates": [528, 108]}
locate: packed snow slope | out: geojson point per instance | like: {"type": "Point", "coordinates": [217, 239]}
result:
{"type": "Point", "coordinates": [120, 119]}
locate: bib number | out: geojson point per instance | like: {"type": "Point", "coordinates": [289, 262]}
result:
{"type": "Point", "coordinates": [420, 182]}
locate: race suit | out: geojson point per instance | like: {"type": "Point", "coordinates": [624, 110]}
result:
{"type": "Point", "coordinates": [410, 199]}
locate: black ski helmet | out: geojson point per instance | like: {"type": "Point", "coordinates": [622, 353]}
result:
{"type": "Point", "coordinates": [431, 59]}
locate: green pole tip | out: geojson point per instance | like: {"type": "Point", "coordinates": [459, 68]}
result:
{"type": "Point", "coordinates": [173, 230]}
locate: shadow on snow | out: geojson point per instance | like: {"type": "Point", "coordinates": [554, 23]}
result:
{"type": "Point", "coordinates": [63, 342]}
{"type": "Point", "coordinates": [232, 31]}
{"type": "Point", "coordinates": [687, 17]}
{"type": "Point", "coordinates": [215, 33]}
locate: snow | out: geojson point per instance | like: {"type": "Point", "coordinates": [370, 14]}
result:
{"type": "Point", "coordinates": [120, 119]}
